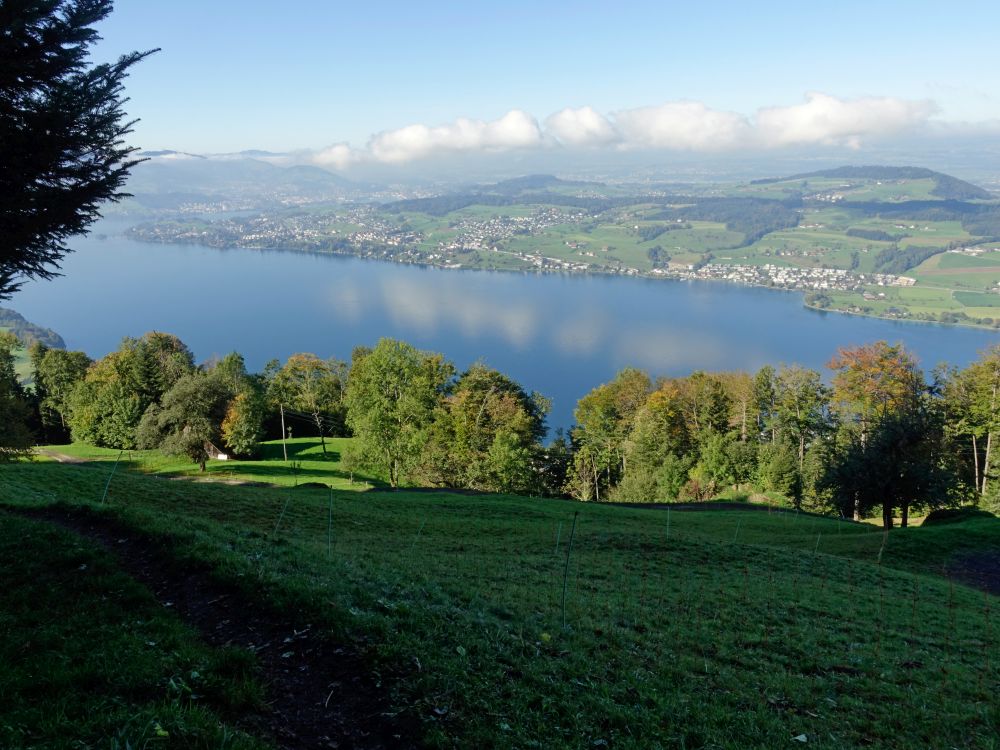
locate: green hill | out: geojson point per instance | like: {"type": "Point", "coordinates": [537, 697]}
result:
{"type": "Point", "coordinates": [492, 621]}
{"type": "Point", "coordinates": [945, 187]}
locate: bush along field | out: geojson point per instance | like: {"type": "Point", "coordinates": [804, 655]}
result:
{"type": "Point", "coordinates": [488, 620]}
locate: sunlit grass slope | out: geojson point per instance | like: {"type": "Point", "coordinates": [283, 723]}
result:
{"type": "Point", "coordinates": [306, 463]}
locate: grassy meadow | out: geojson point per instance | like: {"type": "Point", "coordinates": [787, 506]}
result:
{"type": "Point", "coordinates": [307, 463]}
{"type": "Point", "coordinates": [496, 621]}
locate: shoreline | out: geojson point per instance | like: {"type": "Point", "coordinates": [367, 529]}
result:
{"type": "Point", "coordinates": [542, 270]}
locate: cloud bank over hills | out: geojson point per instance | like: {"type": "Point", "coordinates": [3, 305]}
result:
{"type": "Point", "coordinates": [821, 120]}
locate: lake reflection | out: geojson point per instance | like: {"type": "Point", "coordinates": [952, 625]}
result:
{"type": "Point", "coordinates": [559, 335]}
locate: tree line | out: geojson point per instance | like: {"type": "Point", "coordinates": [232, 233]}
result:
{"type": "Point", "coordinates": [876, 437]}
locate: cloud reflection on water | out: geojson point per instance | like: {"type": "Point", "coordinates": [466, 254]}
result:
{"type": "Point", "coordinates": [432, 309]}
{"type": "Point", "coordinates": [661, 351]}
{"type": "Point", "coordinates": [579, 331]}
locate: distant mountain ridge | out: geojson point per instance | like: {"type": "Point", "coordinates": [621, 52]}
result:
{"type": "Point", "coordinates": [536, 182]}
{"type": "Point", "coordinates": [169, 179]}
{"type": "Point", "coordinates": [946, 186]}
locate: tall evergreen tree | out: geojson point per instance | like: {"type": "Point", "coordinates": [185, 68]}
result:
{"type": "Point", "coordinates": [62, 132]}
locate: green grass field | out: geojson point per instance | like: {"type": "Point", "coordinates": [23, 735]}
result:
{"type": "Point", "coordinates": [493, 622]}
{"type": "Point", "coordinates": [619, 244]}
{"type": "Point", "coordinates": [956, 260]}
{"type": "Point", "coordinates": [954, 271]}
{"type": "Point", "coordinates": [851, 189]}
{"type": "Point", "coordinates": [306, 463]}
{"type": "Point", "coordinates": [978, 299]}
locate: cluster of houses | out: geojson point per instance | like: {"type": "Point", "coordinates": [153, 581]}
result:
{"type": "Point", "coordinates": [485, 234]}
{"type": "Point", "coordinates": [787, 277]}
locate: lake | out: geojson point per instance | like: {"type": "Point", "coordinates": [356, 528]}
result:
{"type": "Point", "coordinates": [558, 335]}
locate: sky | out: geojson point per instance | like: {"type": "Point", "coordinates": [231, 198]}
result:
{"type": "Point", "coordinates": [346, 83]}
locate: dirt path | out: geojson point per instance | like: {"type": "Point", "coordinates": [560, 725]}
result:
{"type": "Point", "coordinates": [60, 457]}
{"type": "Point", "coordinates": [320, 694]}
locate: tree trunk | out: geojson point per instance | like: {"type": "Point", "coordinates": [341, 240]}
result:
{"type": "Point", "coordinates": [201, 464]}
{"type": "Point", "coordinates": [887, 516]}
{"type": "Point", "coordinates": [905, 513]}
{"type": "Point", "coordinates": [975, 463]}
{"type": "Point", "coordinates": [857, 508]}
{"type": "Point", "coordinates": [989, 434]}
{"type": "Point", "coordinates": [319, 426]}
{"type": "Point", "coordinates": [986, 460]}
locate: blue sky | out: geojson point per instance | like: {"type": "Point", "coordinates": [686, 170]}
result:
{"type": "Point", "coordinates": [304, 75]}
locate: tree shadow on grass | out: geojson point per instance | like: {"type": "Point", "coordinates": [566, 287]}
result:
{"type": "Point", "coordinates": [275, 473]}
{"type": "Point", "coordinates": [297, 449]}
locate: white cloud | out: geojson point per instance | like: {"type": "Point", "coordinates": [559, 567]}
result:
{"type": "Point", "coordinates": [827, 120]}
{"type": "Point", "coordinates": [822, 120]}
{"type": "Point", "coordinates": [516, 129]}
{"type": "Point", "coordinates": [682, 126]}
{"type": "Point", "coordinates": [581, 127]}
{"type": "Point", "coordinates": [339, 156]}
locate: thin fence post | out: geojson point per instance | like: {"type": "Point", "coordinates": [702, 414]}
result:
{"type": "Point", "coordinates": [569, 551]}
{"type": "Point", "coordinates": [419, 532]}
{"type": "Point", "coordinates": [329, 528]}
{"type": "Point", "coordinates": [281, 515]}
{"type": "Point", "coordinates": [110, 477]}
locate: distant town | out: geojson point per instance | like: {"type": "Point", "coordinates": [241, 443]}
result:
{"type": "Point", "coordinates": [365, 232]}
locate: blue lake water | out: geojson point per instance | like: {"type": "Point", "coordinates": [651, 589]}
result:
{"type": "Point", "coordinates": [558, 335]}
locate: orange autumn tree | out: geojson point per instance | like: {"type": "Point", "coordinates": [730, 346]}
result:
{"type": "Point", "coordinates": [888, 438]}
{"type": "Point", "coordinates": [874, 380]}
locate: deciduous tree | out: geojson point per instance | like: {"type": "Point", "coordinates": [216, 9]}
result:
{"type": "Point", "coordinates": [56, 373]}
{"type": "Point", "coordinates": [106, 406]}
{"type": "Point", "coordinates": [392, 393]}
{"type": "Point", "coordinates": [482, 426]}
{"type": "Point", "coordinates": [972, 399]}
{"type": "Point", "coordinates": [187, 419]}
{"type": "Point", "coordinates": [314, 387]}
